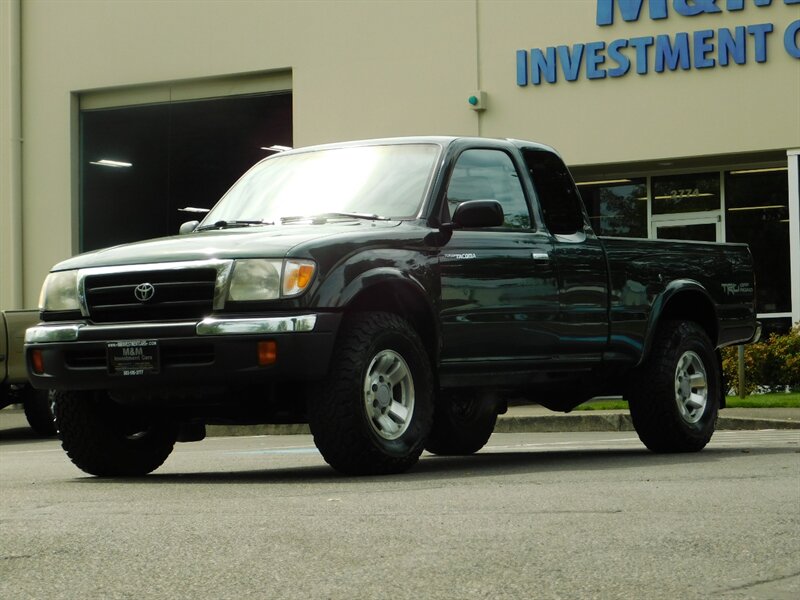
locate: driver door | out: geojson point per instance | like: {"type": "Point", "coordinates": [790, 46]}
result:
{"type": "Point", "coordinates": [499, 290]}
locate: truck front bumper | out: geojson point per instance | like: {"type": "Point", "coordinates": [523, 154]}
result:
{"type": "Point", "coordinates": [218, 351]}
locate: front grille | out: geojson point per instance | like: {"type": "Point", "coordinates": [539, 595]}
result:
{"type": "Point", "coordinates": [177, 294]}
{"type": "Point", "coordinates": [171, 356]}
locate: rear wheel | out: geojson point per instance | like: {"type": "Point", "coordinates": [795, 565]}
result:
{"type": "Point", "coordinates": [38, 408]}
{"type": "Point", "coordinates": [674, 397]}
{"type": "Point", "coordinates": [106, 439]}
{"type": "Point", "coordinates": [462, 423]}
{"type": "Point", "coordinates": [372, 414]}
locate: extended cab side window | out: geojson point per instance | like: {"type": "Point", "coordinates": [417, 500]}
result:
{"type": "Point", "coordinates": [561, 204]}
{"type": "Point", "coordinates": [489, 175]}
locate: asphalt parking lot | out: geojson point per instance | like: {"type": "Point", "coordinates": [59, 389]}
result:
{"type": "Point", "coordinates": [544, 515]}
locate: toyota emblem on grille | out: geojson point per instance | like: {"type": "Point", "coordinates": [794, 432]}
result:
{"type": "Point", "coordinates": [144, 292]}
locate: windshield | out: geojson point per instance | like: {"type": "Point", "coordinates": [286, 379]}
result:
{"type": "Point", "coordinates": [385, 181]}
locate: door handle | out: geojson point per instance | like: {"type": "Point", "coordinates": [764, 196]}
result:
{"type": "Point", "coordinates": [540, 256]}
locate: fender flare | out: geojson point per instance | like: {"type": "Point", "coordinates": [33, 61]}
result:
{"type": "Point", "coordinates": [378, 276]}
{"type": "Point", "coordinates": [673, 290]}
{"type": "Point", "coordinates": [422, 314]}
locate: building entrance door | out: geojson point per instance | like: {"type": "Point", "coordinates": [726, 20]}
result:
{"type": "Point", "coordinates": [687, 207]}
{"type": "Point", "coordinates": [699, 229]}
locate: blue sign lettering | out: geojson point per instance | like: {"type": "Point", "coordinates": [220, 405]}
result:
{"type": "Point", "coordinates": [671, 56]}
{"type": "Point", "coordinates": [570, 60]}
{"type": "Point", "coordinates": [631, 10]}
{"type": "Point", "coordinates": [739, 4]}
{"type": "Point", "coordinates": [594, 59]}
{"type": "Point", "coordinates": [732, 45]}
{"type": "Point", "coordinates": [641, 44]}
{"type": "Point", "coordinates": [702, 49]}
{"type": "Point", "coordinates": [790, 39]}
{"type": "Point", "coordinates": [693, 8]}
{"type": "Point", "coordinates": [615, 54]}
{"type": "Point", "coordinates": [541, 63]}
{"type": "Point", "coordinates": [522, 67]}
{"type": "Point", "coordinates": [759, 33]}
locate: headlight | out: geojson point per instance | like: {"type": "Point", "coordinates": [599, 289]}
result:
{"type": "Point", "coordinates": [256, 279]}
{"type": "Point", "coordinates": [262, 279]}
{"type": "Point", "coordinates": [60, 291]}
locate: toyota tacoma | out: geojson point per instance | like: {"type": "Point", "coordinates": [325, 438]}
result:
{"type": "Point", "coordinates": [395, 295]}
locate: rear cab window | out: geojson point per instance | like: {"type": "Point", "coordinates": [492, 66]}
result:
{"type": "Point", "coordinates": [559, 199]}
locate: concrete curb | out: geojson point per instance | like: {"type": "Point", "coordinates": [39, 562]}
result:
{"type": "Point", "coordinates": [512, 422]}
{"type": "Point", "coordinates": [561, 423]}
{"type": "Point", "coordinates": [743, 423]}
{"type": "Point", "coordinates": [235, 430]}
{"type": "Point", "coordinates": [529, 424]}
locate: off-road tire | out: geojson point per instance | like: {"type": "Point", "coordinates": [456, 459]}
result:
{"type": "Point", "coordinates": [674, 396]}
{"type": "Point", "coordinates": [463, 420]}
{"type": "Point", "coordinates": [38, 408]}
{"type": "Point", "coordinates": [108, 440]}
{"type": "Point", "coordinates": [344, 410]}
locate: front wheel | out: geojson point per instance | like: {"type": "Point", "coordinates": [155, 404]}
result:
{"type": "Point", "coordinates": [106, 439]}
{"type": "Point", "coordinates": [674, 396]}
{"type": "Point", "coordinates": [372, 414]}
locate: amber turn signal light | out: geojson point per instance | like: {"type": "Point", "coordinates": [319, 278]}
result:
{"type": "Point", "coordinates": [297, 275]}
{"type": "Point", "coordinates": [267, 353]}
{"type": "Point", "coordinates": [37, 361]}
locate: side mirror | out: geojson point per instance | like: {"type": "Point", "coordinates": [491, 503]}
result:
{"type": "Point", "coordinates": [188, 227]}
{"type": "Point", "coordinates": [477, 213]}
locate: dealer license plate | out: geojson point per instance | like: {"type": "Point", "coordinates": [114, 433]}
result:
{"type": "Point", "coordinates": [133, 357]}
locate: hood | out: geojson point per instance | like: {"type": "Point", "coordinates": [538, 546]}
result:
{"type": "Point", "coordinates": [272, 241]}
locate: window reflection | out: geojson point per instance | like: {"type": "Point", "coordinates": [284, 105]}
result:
{"type": "Point", "coordinates": [489, 175]}
{"type": "Point", "coordinates": [618, 210]}
{"type": "Point", "coordinates": [757, 213]}
{"type": "Point", "coordinates": [694, 192]}
{"type": "Point", "coordinates": [388, 181]}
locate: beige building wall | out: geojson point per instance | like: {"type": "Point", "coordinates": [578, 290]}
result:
{"type": "Point", "coordinates": [370, 69]}
{"type": "Point", "coordinates": [10, 158]}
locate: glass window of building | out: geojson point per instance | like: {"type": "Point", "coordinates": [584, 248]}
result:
{"type": "Point", "coordinates": [617, 209]}
{"type": "Point", "coordinates": [757, 213]}
{"type": "Point", "coordinates": [695, 192]}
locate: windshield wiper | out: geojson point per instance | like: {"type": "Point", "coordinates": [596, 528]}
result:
{"type": "Point", "coordinates": [324, 217]}
{"type": "Point", "coordinates": [229, 224]}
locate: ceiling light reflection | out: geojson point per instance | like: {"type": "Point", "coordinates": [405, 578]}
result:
{"type": "Point", "coordinates": [115, 164]}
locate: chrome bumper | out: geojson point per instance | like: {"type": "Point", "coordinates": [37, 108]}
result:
{"type": "Point", "coordinates": [757, 335]}
{"type": "Point", "coordinates": [70, 332]}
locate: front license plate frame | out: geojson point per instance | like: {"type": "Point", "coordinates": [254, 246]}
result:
{"type": "Point", "coordinates": [133, 358]}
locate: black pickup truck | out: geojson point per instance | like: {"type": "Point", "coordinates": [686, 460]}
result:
{"type": "Point", "coordinates": [395, 295]}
